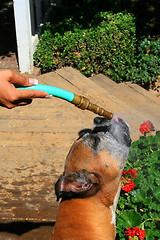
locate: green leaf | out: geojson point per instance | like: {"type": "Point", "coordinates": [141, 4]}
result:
{"type": "Point", "coordinates": [148, 200]}
{"type": "Point", "coordinates": [129, 218]}
{"type": "Point", "coordinates": [156, 193]}
{"type": "Point", "coordinates": [157, 180]}
{"type": "Point", "coordinates": [151, 234]}
{"type": "Point", "coordinates": [138, 196]}
{"type": "Point", "coordinates": [150, 224]}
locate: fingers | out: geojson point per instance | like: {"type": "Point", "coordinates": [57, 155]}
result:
{"type": "Point", "coordinates": [10, 96]}
{"type": "Point", "coordinates": [18, 79]}
{"type": "Point", "coordinates": [30, 94]}
{"type": "Point", "coordinates": [23, 97]}
{"type": "Point", "coordinates": [25, 81]}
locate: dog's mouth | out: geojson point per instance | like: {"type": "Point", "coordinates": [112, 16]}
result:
{"type": "Point", "coordinates": [101, 125]}
{"type": "Point", "coordinates": [102, 128]}
{"type": "Point", "coordinates": [116, 127]}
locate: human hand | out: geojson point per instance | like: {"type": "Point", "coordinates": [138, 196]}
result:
{"type": "Point", "coordinates": [10, 96]}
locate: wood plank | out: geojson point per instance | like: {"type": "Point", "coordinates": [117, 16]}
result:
{"type": "Point", "coordinates": [34, 142]}
{"type": "Point", "coordinates": [35, 139]}
{"type": "Point", "coordinates": [30, 165]}
{"type": "Point", "coordinates": [117, 100]}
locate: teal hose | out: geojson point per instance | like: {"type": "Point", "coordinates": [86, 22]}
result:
{"type": "Point", "coordinates": [79, 101]}
{"type": "Point", "coordinates": [57, 92]}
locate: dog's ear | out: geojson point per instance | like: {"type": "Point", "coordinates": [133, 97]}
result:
{"type": "Point", "coordinates": [76, 185]}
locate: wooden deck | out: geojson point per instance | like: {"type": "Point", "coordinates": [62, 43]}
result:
{"type": "Point", "coordinates": [35, 139]}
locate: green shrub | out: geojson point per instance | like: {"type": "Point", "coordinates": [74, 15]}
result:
{"type": "Point", "coordinates": [147, 62]}
{"type": "Point", "coordinates": [107, 47]}
{"type": "Point", "coordinates": [43, 57]}
{"type": "Point", "coordinates": [101, 43]}
{"type": "Point", "coordinates": [140, 207]}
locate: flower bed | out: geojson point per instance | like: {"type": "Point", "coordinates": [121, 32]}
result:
{"type": "Point", "coordinates": [138, 208]}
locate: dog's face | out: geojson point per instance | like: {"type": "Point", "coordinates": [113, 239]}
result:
{"type": "Point", "coordinates": [95, 160]}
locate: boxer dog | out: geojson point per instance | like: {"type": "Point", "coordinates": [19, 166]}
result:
{"type": "Point", "coordinates": [90, 186]}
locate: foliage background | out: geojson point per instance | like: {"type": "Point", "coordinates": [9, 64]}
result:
{"type": "Point", "coordinates": [100, 37]}
{"type": "Point", "coordinates": [141, 207]}
{"type": "Point", "coordinates": [107, 48]}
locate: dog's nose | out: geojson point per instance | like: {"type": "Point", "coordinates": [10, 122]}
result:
{"type": "Point", "coordinates": [99, 120]}
{"type": "Point", "coordinates": [115, 117]}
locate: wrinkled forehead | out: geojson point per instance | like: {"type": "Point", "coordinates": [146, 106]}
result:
{"type": "Point", "coordinates": [83, 156]}
{"type": "Point", "coordinates": [106, 143]}
{"type": "Point", "coordinates": [98, 141]}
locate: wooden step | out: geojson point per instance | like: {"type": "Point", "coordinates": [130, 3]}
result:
{"type": "Point", "coordinates": [106, 82]}
{"type": "Point", "coordinates": [148, 107]}
{"type": "Point", "coordinates": [133, 89]}
{"type": "Point", "coordinates": [103, 81]}
{"type": "Point", "coordinates": [117, 100]}
{"type": "Point", "coordinates": [143, 91]}
{"type": "Point", "coordinates": [35, 139]}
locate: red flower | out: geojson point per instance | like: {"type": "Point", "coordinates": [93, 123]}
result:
{"type": "Point", "coordinates": [124, 172]}
{"type": "Point", "coordinates": [146, 127]}
{"type": "Point", "coordinates": [131, 232]}
{"type": "Point", "coordinates": [131, 172]}
{"type": "Point", "coordinates": [128, 186]}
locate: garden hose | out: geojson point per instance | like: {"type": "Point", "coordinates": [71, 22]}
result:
{"type": "Point", "coordinates": [79, 101]}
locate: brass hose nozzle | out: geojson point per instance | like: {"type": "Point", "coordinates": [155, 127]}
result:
{"type": "Point", "coordinates": [84, 103]}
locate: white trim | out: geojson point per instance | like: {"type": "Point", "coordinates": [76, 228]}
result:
{"type": "Point", "coordinates": [24, 35]}
{"type": "Point", "coordinates": [28, 21]}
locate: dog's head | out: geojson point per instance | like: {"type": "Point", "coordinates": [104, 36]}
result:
{"type": "Point", "coordinates": [95, 160]}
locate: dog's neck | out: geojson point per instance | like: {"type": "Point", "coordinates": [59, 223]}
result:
{"type": "Point", "coordinates": [87, 218]}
